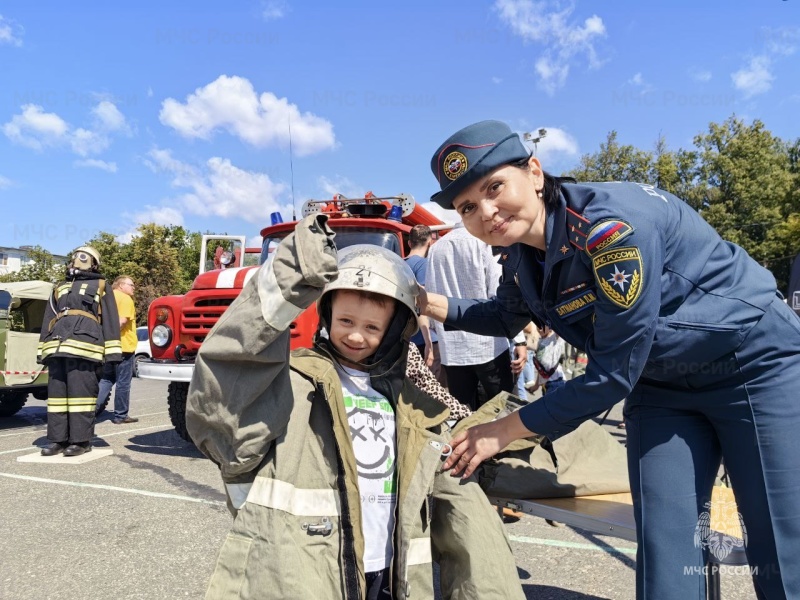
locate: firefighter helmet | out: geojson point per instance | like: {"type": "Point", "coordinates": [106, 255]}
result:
{"type": "Point", "coordinates": [85, 258]}
{"type": "Point", "coordinates": [370, 268]}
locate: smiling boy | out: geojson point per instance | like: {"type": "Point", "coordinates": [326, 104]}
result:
{"type": "Point", "coordinates": [331, 457]}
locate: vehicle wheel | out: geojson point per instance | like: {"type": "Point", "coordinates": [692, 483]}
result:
{"type": "Point", "coordinates": [11, 402]}
{"type": "Point", "coordinates": [136, 360]}
{"type": "Point", "coordinates": [176, 398]}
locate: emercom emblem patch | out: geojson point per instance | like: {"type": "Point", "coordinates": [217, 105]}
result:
{"type": "Point", "coordinates": [619, 275]}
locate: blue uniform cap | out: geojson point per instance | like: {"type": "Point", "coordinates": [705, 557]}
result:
{"type": "Point", "coordinates": [471, 153]}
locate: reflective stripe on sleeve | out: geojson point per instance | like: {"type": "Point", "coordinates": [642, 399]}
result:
{"type": "Point", "coordinates": [295, 501]}
{"type": "Point", "coordinates": [276, 310]}
{"type": "Point", "coordinates": [419, 551]}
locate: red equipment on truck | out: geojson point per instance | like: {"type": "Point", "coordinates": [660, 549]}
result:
{"type": "Point", "coordinates": [179, 324]}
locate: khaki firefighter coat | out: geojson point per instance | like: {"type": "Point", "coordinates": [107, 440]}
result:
{"type": "Point", "coordinates": [277, 428]}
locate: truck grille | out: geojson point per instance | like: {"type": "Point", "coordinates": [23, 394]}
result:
{"type": "Point", "coordinates": [200, 316]}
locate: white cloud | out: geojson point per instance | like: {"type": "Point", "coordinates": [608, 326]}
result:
{"type": "Point", "coordinates": [160, 215]}
{"type": "Point", "coordinates": [340, 185]}
{"type": "Point", "coordinates": [755, 78]}
{"type": "Point", "coordinates": [10, 32]}
{"type": "Point", "coordinates": [447, 216]}
{"type": "Point", "coordinates": [556, 146]}
{"type": "Point", "coordinates": [639, 82]}
{"type": "Point", "coordinates": [497, 80]}
{"type": "Point", "coordinates": [231, 104]}
{"type": "Point", "coordinates": [699, 75]}
{"type": "Point", "coordinates": [149, 92]}
{"type": "Point", "coordinates": [5, 183]}
{"type": "Point", "coordinates": [274, 9]}
{"type": "Point", "coordinates": [564, 41]}
{"type": "Point", "coordinates": [37, 129]}
{"type": "Point", "coordinates": [781, 41]}
{"type": "Point", "coordinates": [109, 118]}
{"type": "Point", "coordinates": [94, 163]}
{"type": "Point", "coordinates": [221, 189]}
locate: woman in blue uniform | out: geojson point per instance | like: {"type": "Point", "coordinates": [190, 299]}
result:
{"type": "Point", "coordinates": [684, 326]}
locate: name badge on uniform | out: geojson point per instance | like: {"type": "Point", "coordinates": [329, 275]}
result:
{"type": "Point", "coordinates": [576, 304]}
{"type": "Point", "coordinates": [619, 275]}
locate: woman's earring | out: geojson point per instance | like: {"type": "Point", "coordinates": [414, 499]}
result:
{"type": "Point", "coordinates": [539, 193]}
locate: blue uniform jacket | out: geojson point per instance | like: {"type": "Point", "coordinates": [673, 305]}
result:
{"type": "Point", "coordinates": [637, 279]}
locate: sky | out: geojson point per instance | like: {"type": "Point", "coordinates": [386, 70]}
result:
{"type": "Point", "coordinates": [212, 115]}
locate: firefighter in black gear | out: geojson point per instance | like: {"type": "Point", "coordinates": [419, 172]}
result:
{"type": "Point", "coordinates": [80, 332]}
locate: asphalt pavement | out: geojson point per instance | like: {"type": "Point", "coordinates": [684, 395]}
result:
{"type": "Point", "coordinates": [146, 523]}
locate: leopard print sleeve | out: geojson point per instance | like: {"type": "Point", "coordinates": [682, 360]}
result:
{"type": "Point", "coordinates": [418, 372]}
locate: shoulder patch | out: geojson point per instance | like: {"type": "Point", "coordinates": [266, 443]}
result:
{"type": "Point", "coordinates": [619, 275]}
{"type": "Point", "coordinates": [606, 234]}
{"type": "Point", "coordinates": [577, 227]}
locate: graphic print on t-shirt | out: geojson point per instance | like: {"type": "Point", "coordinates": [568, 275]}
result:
{"type": "Point", "coordinates": [372, 431]}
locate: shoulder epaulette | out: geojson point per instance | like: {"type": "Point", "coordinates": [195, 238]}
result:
{"type": "Point", "coordinates": [577, 227]}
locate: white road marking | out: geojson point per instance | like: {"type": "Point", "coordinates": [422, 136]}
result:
{"type": "Point", "coordinates": [570, 545]}
{"type": "Point", "coordinates": [113, 488]}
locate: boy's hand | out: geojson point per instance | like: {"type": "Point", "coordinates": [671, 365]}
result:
{"type": "Point", "coordinates": [306, 261]}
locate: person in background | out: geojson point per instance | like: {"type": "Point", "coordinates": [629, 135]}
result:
{"type": "Point", "coordinates": [463, 266]}
{"type": "Point", "coordinates": [420, 239]}
{"type": "Point", "coordinates": [121, 373]}
{"type": "Point", "coordinates": [527, 378]}
{"type": "Point", "coordinates": [547, 362]}
{"type": "Point", "coordinates": [80, 332]}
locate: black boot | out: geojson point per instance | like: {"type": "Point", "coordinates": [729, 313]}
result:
{"type": "Point", "coordinates": [78, 449]}
{"type": "Point", "coordinates": [54, 448]}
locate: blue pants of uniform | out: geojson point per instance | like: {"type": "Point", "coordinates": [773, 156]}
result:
{"type": "Point", "coordinates": [120, 374]}
{"type": "Point", "coordinates": [744, 409]}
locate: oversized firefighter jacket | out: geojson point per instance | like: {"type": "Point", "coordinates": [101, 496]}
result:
{"type": "Point", "coordinates": [276, 425]}
{"type": "Point", "coordinates": [81, 321]}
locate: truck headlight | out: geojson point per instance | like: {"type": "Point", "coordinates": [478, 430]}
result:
{"type": "Point", "coordinates": [161, 336]}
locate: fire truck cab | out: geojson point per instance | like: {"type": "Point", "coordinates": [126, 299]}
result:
{"type": "Point", "coordinates": [179, 324]}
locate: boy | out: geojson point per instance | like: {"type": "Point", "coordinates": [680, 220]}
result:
{"type": "Point", "coordinates": [331, 457]}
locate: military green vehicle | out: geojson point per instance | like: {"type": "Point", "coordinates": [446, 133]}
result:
{"type": "Point", "coordinates": [22, 307]}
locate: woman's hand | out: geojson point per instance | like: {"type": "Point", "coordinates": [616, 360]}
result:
{"type": "Point", "coordinates": [476, 444]}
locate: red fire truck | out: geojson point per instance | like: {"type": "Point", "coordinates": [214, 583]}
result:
{"type": "Point", "coordinates": [179, 324]}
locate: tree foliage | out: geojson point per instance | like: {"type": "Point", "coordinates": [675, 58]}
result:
{"type": "Point", "coordinates": [743, 180]}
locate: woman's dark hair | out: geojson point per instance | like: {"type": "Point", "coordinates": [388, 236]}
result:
{"type": "Point", "coordinates": [552, 185]}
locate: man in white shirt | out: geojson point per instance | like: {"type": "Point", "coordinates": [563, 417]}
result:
{"type": "Point", "coordinates": [462, 266]}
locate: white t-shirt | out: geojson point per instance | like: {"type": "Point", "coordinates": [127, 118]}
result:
{"type": "Point", "coordinates": [372, 430]}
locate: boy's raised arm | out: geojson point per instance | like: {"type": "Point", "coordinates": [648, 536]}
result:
{"type": "Point", "coordinates": [240, 395]}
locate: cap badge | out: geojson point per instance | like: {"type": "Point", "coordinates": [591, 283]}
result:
{"type": "Point", "coordinates": [455, 165]}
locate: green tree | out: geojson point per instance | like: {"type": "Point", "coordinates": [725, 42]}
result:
{"type": "Point", "coordinates": [614, 162]}
{"type": "Point", "coordinates": [153, 265]}
{"type": "Point", "coordinates": [750, 189]}
{"type": "Point", "coordinates": [187, 244]}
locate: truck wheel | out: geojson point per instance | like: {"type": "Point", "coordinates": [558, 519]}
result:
{"type": "Point", "coordinates": [11, 402]}
{"type": "Point", "coordinates": [177, 392]}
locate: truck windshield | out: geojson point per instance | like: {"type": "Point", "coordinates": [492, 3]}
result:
{"type": "Point", "coordinates": [346, 236]}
